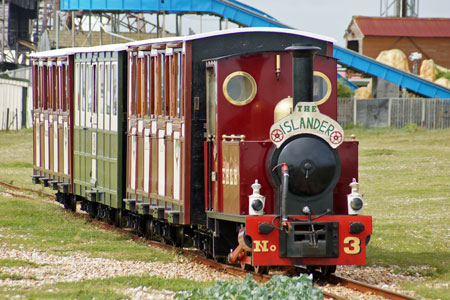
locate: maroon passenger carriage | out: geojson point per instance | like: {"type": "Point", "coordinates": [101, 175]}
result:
{"type": "Point", "coordinates": [52, 74]}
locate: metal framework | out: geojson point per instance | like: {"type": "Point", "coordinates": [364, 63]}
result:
{"type": "Point", "coordinates": [399, 8]}
{"type": "Point", "coordinates": [55, 28]}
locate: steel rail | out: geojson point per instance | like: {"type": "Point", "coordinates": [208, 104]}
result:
{"type": "Point", "coordinates": [230, 269]}
{"type": "Point", "coordinates": [365, 288]}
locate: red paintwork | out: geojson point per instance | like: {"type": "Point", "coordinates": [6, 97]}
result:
{"type": "Point", "coordinates": [272, 258]}
{"type": "Point", "coordinates": [255, 119]}
{"type": "Point", "coordinates": [348, 152]}
{"type": "Point", "coordinates": [411, 27]}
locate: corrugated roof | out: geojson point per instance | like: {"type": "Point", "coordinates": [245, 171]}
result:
{"type": "Point", "coordinates": [412, 27]}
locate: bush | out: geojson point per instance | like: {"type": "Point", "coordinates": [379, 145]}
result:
{"type": "Point", "coordinates": [279, 287]}
{"type": "Point", "coordinates": [411, 127]}
{"type": "Point", "coordinates": [343, 91]}
{"type": "Point", "coordinates": [440, 73]}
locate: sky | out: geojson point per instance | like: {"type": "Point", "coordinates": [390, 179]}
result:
{"type": "Point", "coordinates": [331, 17]}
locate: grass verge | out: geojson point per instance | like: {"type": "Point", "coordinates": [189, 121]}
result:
{"type": "Point", "coordinates": [404, 178]}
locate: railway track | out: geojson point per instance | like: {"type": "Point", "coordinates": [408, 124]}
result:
{"type": "Point", "coordinates": [361, 287]}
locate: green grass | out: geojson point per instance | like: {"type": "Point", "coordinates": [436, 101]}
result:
{"type": "Point", "coordinates": [404, 176]}
{"type": "Point", "coordinates": [101, 288]}
{"type": "Point", "coordinates": [47, 227]}
{"type": "Point", "coordinates": [17, 263]}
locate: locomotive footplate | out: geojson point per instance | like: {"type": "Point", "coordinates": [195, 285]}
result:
{"type": "Point", "coordinates": [310, 239]}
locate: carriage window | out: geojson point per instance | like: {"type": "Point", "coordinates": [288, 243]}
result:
{"type": "Point", "coordinates": [66, 90]}
{"type": "Point", "coordinates": [115, 95]}
{"type": "Point", "coordinates": [179, 79]}
{"type": "Point", "coordinates": [134, 84]}
{"type": "Point", "coordinates": [83, 88]}
{"type": "Point", "coordinates": [34, 88]}
{"type": "Point", "coordinates": [101, 88]}
{"type": "Point", "coordinates": [115, 89]}
{"type": "Point", "coordinates": [101, 94]}
{"type": "Point", "coordinates": [61, 88]}
{"type": "Point", "coordinates": [173, 83]}
{"type": "Point", "coordinates": [143, 82]}
{"type": "Point", "coordinates": [163, 82]}
{"type": "Point", "coordinates": [89, 88]}
{"type": "Point", "coordinates": [157, 84]}
{"type": "Point", "coordinates": [77, 94]}
{"type": "Point", "coordinates": [52, 86]}
{"type": "Point", "coordinates": [130, 82]}
{"type": "Point", "coordinates": [83, 83]}
{"type": "Point", "coordinates": [239, 88]}
{"type": "Point", "coordinates": [211, 96]}
{"type": "Point", "coordinates": [107, 95]}
{"type": "Point", "coordinates": [149, 85]}
{"type": "Point", "coordinates": [322, 87]}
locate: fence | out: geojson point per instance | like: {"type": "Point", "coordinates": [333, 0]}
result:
{"type": "Point", "coordinates": [395, 112]}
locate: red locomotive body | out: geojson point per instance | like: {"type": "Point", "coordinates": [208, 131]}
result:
{"type": "Point", "coordinates": [247, 94]}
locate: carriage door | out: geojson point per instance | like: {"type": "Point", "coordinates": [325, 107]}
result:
{"type": "Point", "coordinates": [211, 143]}
{"type": "Point", "coordinates": [93, 110]}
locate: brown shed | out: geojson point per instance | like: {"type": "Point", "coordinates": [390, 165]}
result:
{"type": "Point", "coordinates": [429, 36]}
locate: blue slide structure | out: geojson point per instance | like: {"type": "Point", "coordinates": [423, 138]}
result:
{"type": "Point", "coordinates": [248, 16]}
{"type": "Point", "coordinates": [406, 80]}
{"type": "Point", "coordinates": [228, 9]}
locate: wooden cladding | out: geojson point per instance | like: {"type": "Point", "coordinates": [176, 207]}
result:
{"type": "Point", "coordinates": [51, 85]}
{"type": "Point", "coordinates": [155, 83]}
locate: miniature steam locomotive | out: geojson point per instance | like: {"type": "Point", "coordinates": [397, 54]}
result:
{"type": "Point", "coordinates": [197, 140]}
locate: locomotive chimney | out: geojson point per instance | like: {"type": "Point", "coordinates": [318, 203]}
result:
{"type": "Point", "coordinates": [302, 72]}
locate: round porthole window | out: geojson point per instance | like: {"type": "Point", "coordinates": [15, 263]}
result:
{"type": "Point", "coordinates": [322, 88]}
{"type": "Point", "coordinates": [239, 88]}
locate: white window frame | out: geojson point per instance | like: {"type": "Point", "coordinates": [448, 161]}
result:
{"type": "Point", "coordinates": [114, 95]}
{"type": "Point", "coordinates": [101, 95]}
{"type": "Point", "coordinates": [77, 101]}
{"type": "Point", "coordinates": [108, 96]}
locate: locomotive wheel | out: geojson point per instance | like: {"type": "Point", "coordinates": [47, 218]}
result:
{"type": "Point", "coordinates": [327, 270]}
{"type": "Point", "coordinates": [261, 270]}
{"type": "Point", "coordinates": [245, 267]}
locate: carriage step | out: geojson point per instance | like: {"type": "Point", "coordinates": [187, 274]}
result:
{"type": "Point", "coordinates": [54, 184]}
{"type": "Point", "coordinates": [172, 216]}
{"type": "Point", "coordinates": [36, 179]}
{"type": "Point", "coordinates": [130, 204]}
{"type": "Point", "coordinates": [157, 212]}
{"type": "Point", "coordinates": [143, 208]}
{"type": "Point", "coordinates": [93, 194]}
{"type": "Point", "coordinates": [45, 181]}
{"type": "Point", "coordinates": [64, 186]}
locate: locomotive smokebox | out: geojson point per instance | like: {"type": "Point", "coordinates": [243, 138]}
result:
{"type": "Point", "coordinates": [302, 72]}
